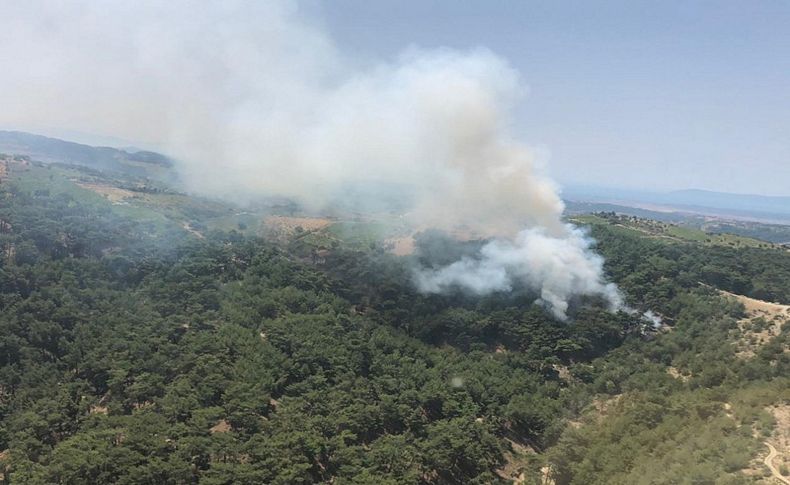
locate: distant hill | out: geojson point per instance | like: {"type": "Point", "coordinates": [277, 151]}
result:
{"type": "Point", "coordinates": [45, 149]}
{"type": "Point", "coordinates": [770, 209]}
{"type": "Point", "coordinates": [721, 200]}
{"type": "Point", "coordinates": [573, 207]}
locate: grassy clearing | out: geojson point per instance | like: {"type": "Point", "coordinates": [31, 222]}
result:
{"type": "Point", "coordinates": [697, 235]}
{"type": "Point", "coordinates": [161, 210]}
{"type": "Point", "coordinates": [363, 233]}
{"type": "Point", "coordinates": [52, 181]}
{"type": "Point", "coordinates": [245, 222]}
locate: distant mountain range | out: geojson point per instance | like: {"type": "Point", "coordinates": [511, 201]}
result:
{"type": "Point", "coordinates": [721, 200]}
{"type": "Point", "coordinates": [45, 149]}
{"type": "Point", "coordinates": [693, 201]}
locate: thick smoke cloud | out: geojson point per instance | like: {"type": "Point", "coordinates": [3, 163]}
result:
{"type": "Point", "coordinates": [557, 268]}
{"type": "Point", "coordinates": [254, 99]}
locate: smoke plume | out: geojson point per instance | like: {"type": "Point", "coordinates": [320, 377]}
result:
{"type": "Point", "coordinates": [557, 268]}
{"type": "Point", "coordinates": [253, 98]}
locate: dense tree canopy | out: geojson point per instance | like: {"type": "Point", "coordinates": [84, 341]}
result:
{"type": "Point", "coordinates": [133, 354]}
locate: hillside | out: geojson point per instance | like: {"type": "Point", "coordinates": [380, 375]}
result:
{"type": "Point", "coordinates": [712, 226]}
{"type": "Point", "coordinates": [149, 336]}
{"type": "Point", "coordinates": [42, 148]}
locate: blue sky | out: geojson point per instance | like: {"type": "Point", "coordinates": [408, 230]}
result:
{"type": "Point", "coordinates": [648, 95]}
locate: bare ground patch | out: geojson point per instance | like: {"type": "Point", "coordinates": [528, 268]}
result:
{"type": "Point", "coordinates": [774, 458]}
{"type": "Point", "coordinates": [99, 409]}
{"type": "Point", "coordinates": [188, 228]}
{"type": "Point", "coordinates": [516, 461]}
{"type": "Point", "coordinates": [677, 374]}
{"type": "Point", "coordinates": [563, 372]}
{"type": "Point", "coordinates": [113, 194]}
{"type": "Point", "coordinates": [602, 406]}
{"type": "Point", "coordinates": [598, 409]}
{"type": "Point", "coordinates": [763, 322]}
{"type": "Point", "coordinates": [778, 444]}
{"type": "Point", "coordinates": [288, 226]}
{"type": "Point", "coordinates": [782, 431]}
{"type": "Point", "coordinates": [222, 426]}
{"type": "Point", "coordinates": [400, 246]}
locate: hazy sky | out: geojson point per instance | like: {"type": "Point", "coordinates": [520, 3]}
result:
{"type": "Point", "coordinates": [660, 94]}
{"type": "Point", "coordinates": [632, 94]}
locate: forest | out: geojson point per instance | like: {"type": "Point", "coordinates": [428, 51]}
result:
{"type": "Point", "coordinates": [137, 353]}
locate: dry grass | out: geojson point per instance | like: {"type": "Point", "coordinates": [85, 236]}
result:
{"type": "Point", "coordinates": [765, 468]}
{"type": "Point", "coordinates": [113, 194]}
{"type": "Point", "coordinates": [603, 406]}
{"type": "Point", "coordinates": [780, 438]}
{"type": "Point", "coordinates": [99, 410]}
{"type": "Point", "coordinates": [763, 322]}
{"type": "Point", "coordinates": [516, 460]}
{"type": "Point", "coordinates": [222, 426]}
{"type": "Point", "coordinates": [283, 227]}
{"type": "Point", "coordinates": [760, 307]}
{"type": "Point", "coordinates": [782, 435]}
{"type": "Point", "coordinates": [596, 412]}
{"type": "Point", "coordinates": [292, 223]}
{"type": "Point", "coordinates": [677, 374]}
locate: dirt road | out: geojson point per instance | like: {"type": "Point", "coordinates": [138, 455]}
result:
{"type": "Point", "coordinates": [769, 463]}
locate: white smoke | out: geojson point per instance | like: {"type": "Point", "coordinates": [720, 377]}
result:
{"type": "Point", "coordinates": [252, 98]}
{"type": "Point", "coordinates": [653, 319]}
{"type": "Point", "coordinates": [558, 268]}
